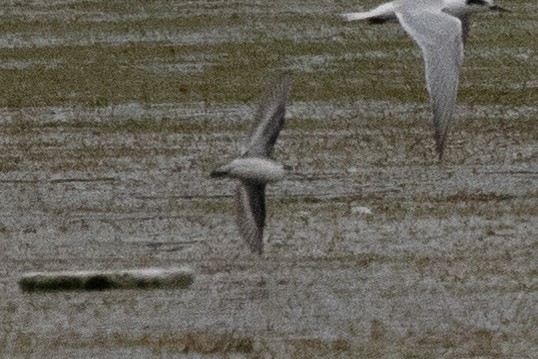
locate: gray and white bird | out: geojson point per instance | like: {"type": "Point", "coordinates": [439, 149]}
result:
{"type": "Point", "coordinates": [439, 27]}
{"type": "Point", "coordinates": [462, 9]}
{"type": "Point", "coordinates": [254, 168]}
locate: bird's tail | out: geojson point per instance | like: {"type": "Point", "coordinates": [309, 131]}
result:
{"type": "Point", "coordinates": [352, 16]}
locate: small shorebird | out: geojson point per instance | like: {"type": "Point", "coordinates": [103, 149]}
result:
{"type": "Point", "coordinates": [439, 27]}
{"type": "Point", "coordinates": [254, 168]}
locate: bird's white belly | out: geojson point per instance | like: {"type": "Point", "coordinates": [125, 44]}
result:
{"type": "Point", "coordinates": [257, 169]}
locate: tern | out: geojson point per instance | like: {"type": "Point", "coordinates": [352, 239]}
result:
{"type": "Point", "coordinates": [462, 9]}
{"type": "Point", "coordinates": [254, 168]}
{"type": "Point", "coordinates": [439, 27]}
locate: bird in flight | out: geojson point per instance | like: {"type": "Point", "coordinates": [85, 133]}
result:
{"type": "Point", "coordinates": [462, 9]}
{"type": "Point", "coordinates": [254, 168]}
{"type": "Point", "coordinates": [439, 27]}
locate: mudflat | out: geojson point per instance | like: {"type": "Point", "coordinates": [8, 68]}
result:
{"type": "Point", "coordinates": [112, 115]}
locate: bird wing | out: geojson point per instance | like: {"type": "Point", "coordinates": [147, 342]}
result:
{"type": "Point", "coordinates": [381, 13]}
{"type": "Point", "coordinates": [251, 213]}
{"type": "Point", "coordinates": [439, 35]}
{"type": "Point", "coordinates": [269, 118]}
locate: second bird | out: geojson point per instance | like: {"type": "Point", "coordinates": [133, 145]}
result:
{"type": "Point", "coordinates": [254, 168]}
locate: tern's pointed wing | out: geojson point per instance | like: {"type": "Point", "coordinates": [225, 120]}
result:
{"type": "Point", "coordinates": [269, 118]}
{"type": "Point", "coordinates": [251, 213]}
{"type": "Point", "coordinates": [439, 36]}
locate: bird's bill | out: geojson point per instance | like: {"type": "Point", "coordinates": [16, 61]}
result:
{"type": "Point", "coordinates": [499, 8]}
{"type": "Point", "coordinates": [218, 173]}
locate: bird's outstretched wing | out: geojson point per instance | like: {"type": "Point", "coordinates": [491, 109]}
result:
{"type": "Point", "coordinates": [269, 118]}
{"type": "Point", "coordinates": [439, 35]}
{"type": "Point", "coordinates": [251, 213]}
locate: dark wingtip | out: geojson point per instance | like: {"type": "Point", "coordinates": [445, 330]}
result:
{"type": "Point", "coordinates": [499, 9]}
{"type": "Point", "coordinates": [256, 246]}
{"type": "Point", "coordinates": [439, 147]}
{"type": "Point", "coordinates": [439, 144]}
{"type": "Point", "coordinates": [258, 250]}
{"type": "Point", "coordinates": [440, 152]}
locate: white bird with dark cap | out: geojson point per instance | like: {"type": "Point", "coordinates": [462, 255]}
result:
{"type": "Point", "coordinates": [439, 27]}
{"type": "Point", "coordinates": [254, 168]}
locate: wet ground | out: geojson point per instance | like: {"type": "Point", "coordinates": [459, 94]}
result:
{"type": "Point", "coordinates": [113, 117]}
